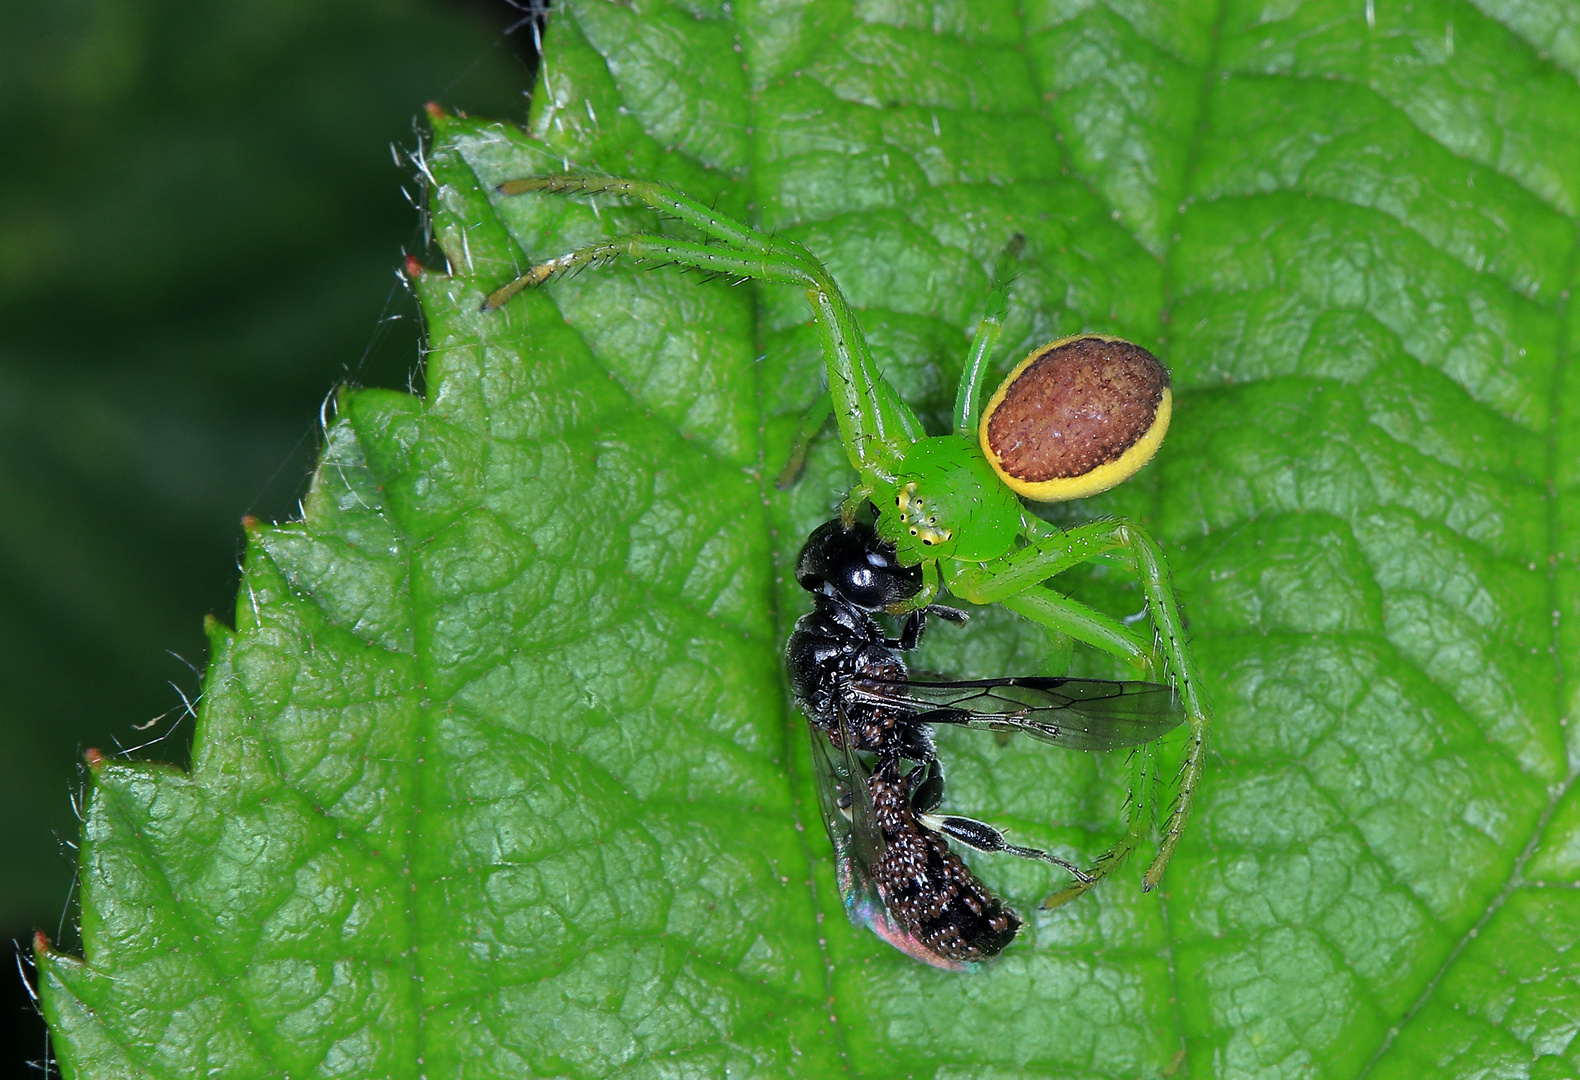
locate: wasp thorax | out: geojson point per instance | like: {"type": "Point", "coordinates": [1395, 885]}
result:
{"type": "Point", "coordinates": [1076, 417]}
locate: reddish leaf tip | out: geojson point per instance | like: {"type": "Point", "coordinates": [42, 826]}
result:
{"type": "Point", "coordinates": [433, 109]}
{"type": "Point", "coordinates": [40, 942]}
{"type": "Point", "coordinates": [93, 757]}
{"type": "Point", "coordinates": [250, 523]}
{"type": "Point", "coordinates": [414, 267]}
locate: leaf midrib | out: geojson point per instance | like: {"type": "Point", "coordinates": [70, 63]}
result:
{"type": "Point", "coordinates": [790, 724]}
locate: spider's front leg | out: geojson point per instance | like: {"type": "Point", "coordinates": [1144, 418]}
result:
{"type": "Point", "coordinates": [1015, 581]}
{"type": "Point", "coordinates": [875, 425]}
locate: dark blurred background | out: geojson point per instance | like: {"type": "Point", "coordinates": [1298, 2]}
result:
{"type": "Point", "coordinates": [200, 224]}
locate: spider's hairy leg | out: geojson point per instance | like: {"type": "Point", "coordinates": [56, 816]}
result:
{"type": "Point", "coordinates": [663, 198]}
{"type": "Point", "coordinates": [968, 398]}
{"type": "Point", "coordinates": [1070, 617]}
{"type": "Point", "coordinates": [875, 425]}
{"type": "Point", "coordinates": [1159, 593]}
{"type": "Point", "coordinates": [1013, 580]}
{"type": "Point", "coordinates": [811, 423]}
{"type": "Point", "coordinates": [854, 503]}
{"type": "Point", "coordinates": [1049, 551]}
{"type": "Point", "coordinates": [931, 581]}
{"type": "Point", "coordinates": [657, 251]}
{"type": "Point", "coordinates": [1141, 813]}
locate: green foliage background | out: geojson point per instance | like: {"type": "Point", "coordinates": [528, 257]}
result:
{"type": "Point", "coordinates": [199, 227]}
{"type": "Point", "coordinates": [487, 778]}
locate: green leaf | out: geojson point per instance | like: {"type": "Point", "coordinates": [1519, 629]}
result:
{"type": "Point", "coordinates": [496, 775]}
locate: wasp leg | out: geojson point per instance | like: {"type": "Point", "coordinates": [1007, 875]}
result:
{"type": "Point", "coordinates": [984, 837]}
{"type": "Point", "coordinates": [929, 791]}
{"type": "Point", "coordinates": [910, 631]}
{"type": "Point", "coordinates": [916, 621]}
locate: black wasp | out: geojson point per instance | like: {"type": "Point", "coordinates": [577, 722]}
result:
{"type": "Point", "coordinates": [879, 778]}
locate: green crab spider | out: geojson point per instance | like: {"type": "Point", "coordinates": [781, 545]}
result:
{"type": "Point", "coordinates": [949, 503]}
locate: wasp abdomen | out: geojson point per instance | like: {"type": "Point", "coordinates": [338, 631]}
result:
{"type": "Point", "coordinates": [927, 888]}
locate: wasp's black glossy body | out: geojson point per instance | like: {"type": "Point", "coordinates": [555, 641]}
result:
{"type": "Point", "coordinates": [851, 574]}
{"type": "Point", "coordinates": [879, 777]}
{"type": "Point", "coordinates": [933, 903]}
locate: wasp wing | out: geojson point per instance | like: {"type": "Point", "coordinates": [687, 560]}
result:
{"type": "Point", "coordinates": [845, 797]}
{"type": "Point", "coordinates": [1080, 714]}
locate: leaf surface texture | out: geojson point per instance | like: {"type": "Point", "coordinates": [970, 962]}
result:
{"type": "Point", "coordinates": [496, 775]}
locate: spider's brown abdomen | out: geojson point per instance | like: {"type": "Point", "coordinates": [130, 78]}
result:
{"type": "Point", "coordinates": [1076, 417]}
